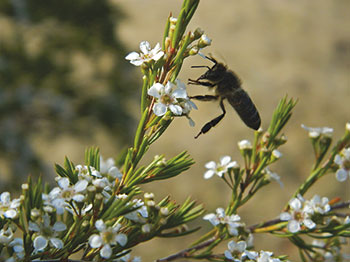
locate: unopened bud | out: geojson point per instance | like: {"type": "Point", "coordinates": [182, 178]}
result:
{"type": "Point", "coordinates": [151, 203]}
{"type": "Point", "coordinates": [204, 41]}
{"type": "Point", "coordinates": [244, 145]}
{"type": "Point", "coordinates": [146, 228]}
{"type": "Point", "coordinates": [276, 154]}
{"type": "Point", "coordinates": [35, 213]}
{"type": "Point", "coordinates": [164, 211]}
{"type": "Point", "coordinates": [197, 33]}
{"type": "Point", "coordinates": [347, 126]}
{"type": "Point", "coordinates": [173, 20]}
{"type": "Point", "coordinates": [148, 196]}
{"type": "Point", "coordinates": [193, 51]}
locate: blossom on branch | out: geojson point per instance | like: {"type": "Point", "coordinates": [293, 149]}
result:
{"type": "Point", "coordinates": [219, 168]}
{"type": "Point", "coordinates": [343, 161]}
{"type": "Point", "coordinates": [147, 54]}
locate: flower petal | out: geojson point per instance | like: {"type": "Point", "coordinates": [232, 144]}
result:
{"type": "Point", "coordinates": [95, 241]}
{"type": "Point", "coordinates": [40, 243]}
{"type": "Point", "coordinates": [106, 251]}
{"type": "Point", "coordinates": [81, 185]}
{"type": "Point", "coordinates": [225, 160]}
{"type": "Point", "coordinates": [56, 242]}
{"type": "Point", "coordinates": [341, 175]}
{"type": "Point", "coordinates": [145, 47]}
{"type": "Point", "coordinates": [155, 90]}
{"type": "Point", "coordinates": [132, 56]}
{"type": "Point", "coordinates": [59, 226]}
{"type": "Point", "coordinates": [122, 239]}
{"type": "Point", "coordinates": [210, 165]}
{"type": "Point", "coordinates": [209, 174]}
{"type": "Point", "coordinates": [293, 226]}
{"type": "Point", "coordinates": [137, 62]}
{"type": "Point", "coordinates": [63, 182]}
{"type": "Point", "coordinates": [180, 93]}
{"type": "Point", "coordinates": [176, 109]}
{"type": "Point", "coordinates": [159, 109]}
{"type": "Point", "coordinates": [100, 225]}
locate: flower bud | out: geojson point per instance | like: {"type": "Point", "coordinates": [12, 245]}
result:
{"type": "Point", "coordinates": [204, 41]}
{"type": "Point", "coordinates": [347, 126]}
{"type": "Point", "coordinates": [148, 196]}
{"type": "Point", "coordinates": [164, 211]}
{"type": "Point", "coordinates": [194, 50]}
{"type": "Point", "coordinates": [150, 203]}
{"type": "Point", "coordinates": [244, 145]}
{"type": "Point", "coordinates": [35, 213]}
{"type": "Point", "coordinates": [275, 155]}
{"type": "Point", "coordinates": [197, 33]}
{"type": "Point", "coordinates": [146, 228]}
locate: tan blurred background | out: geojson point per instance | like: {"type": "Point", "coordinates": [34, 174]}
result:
{"type": "Point", "coordinates": [299, 48]}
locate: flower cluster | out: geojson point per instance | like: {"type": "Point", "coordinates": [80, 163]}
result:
{"type": "Point", "coordinates": [8, 207]}
{"type": "Point", "coordinates": [301, 211]}
{"type": "Point", "coordinates": [72, 196]}
{"type": "Point", "coordinates": [315, 132]}
{"type": "Point", "coordinates": [220, 218]}
{"type": "Point", "coordinates": [238, 252]}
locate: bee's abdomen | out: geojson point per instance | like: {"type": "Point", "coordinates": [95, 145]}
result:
{"type": "Point", "coordinates": [245, 108]}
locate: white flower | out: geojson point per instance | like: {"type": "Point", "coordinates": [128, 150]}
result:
{"type": "Point", "coordinates": [343, 161]}
{"type": "Point", "coordinates": [108, 167]}
{"type": "Point", "coordinates": [237, 251]}
{"type": "Point", "coordinates": [87, 173]}
{"type": "Point", "coordinates": [315, 132]}
{"type": "Point", "coordinates": [219, 168]}
{"type": "Point", "coordinates": [46, 233]}
{"type": "Point", "coordinates": [127, 258]}
{"type": "Point", "coordinates": [266, 256]}
{"type": "Point", "coordinates": [220, 217]}
{"type": "Point", "coordinates": [318, 204]}
{"type": "Point", "coordinates": [70, 192]}
{"type": "Point", "coordinates": [272, 175]}
{"type": "Point", "coordinates": [139, 215]}
{"type": "Point", "coordinates": [147, 54]}
{"type": "Point", "coordinates": [18, 248]}
{"type": "Point", "coordinates": [168, 97]}
{"type": "Point", "coordinates": [107, 237]}
{"type": "Point", "coordinates": [6, 236]}
{"type": "Point", "coordinates": [298, 215]}
{"type": "Point", "coordinates": [8, 208]}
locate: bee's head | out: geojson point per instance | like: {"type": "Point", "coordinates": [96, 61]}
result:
{"type": "Point", "coordinates": [214, 73]}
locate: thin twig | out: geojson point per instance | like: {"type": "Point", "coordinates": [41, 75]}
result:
{"type": "Point", "coordinates": [345, 204]}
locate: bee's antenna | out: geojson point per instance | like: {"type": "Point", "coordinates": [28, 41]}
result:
{"type": "Point", "coordinates": [211, 59]}
{"type": "Point", "coordinates": [201, 67]}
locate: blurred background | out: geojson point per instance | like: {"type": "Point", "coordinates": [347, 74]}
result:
{"type": "Point", "coordinates": [64, 86]}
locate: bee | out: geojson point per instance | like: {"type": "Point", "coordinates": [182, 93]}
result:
{"type": "Point", "coordinates": [227, 86]}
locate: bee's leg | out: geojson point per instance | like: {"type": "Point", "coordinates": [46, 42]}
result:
{"type": "Point", "coordinates": [201, 83]}
{"type": "Point", "coordinates": [213, 122]}
{"type": "Point", "coordinates": [204, 98]}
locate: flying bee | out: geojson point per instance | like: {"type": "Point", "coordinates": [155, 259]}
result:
{"type": "Point", "coordinates": [227, 86]}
